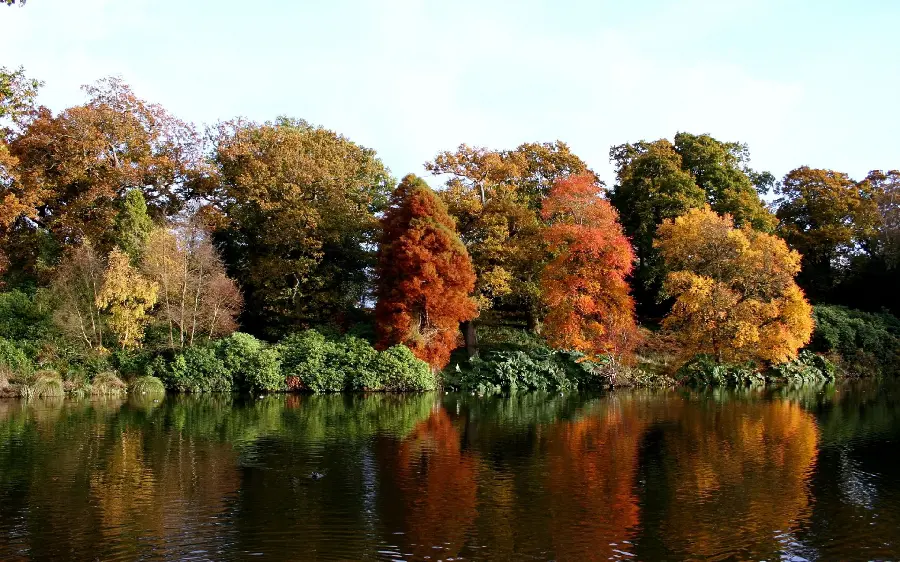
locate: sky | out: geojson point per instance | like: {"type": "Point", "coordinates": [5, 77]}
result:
{"type": "Point", "coordinates": [802, 82]}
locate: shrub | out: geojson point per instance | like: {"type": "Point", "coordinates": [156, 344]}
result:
{"type": "Point", "coordinates": [108, 384]}
{"type": "Point", "coordinates": [148, 385]}
{"type": "Point", "coordinates": [399, 370]}
{"type": "Point", "coordinates": [866, 343]}
{"type": "Point", "coordinates": [531, 369]}
{"type": "Point", "coordinates": [254, 367]}
{"type": "Point", "coordinates": [47, 384]}
{"type": "Point", "coordinates": [313, 362]}
{"type": "Point", "coordinates": [807, 367]}
{"type": "Point", "coordinates": [13, 360]}
{"type": "Point", "coordinates": [703, 370]}
{"type": "Point", "coordinates": [195, 369]}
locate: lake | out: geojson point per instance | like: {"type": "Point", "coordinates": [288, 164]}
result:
{"type": "Point", "coordinates": [792, 473]}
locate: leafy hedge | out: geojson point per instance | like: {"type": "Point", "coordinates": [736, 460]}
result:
{"type": "Point", "coordinates": [703, 370]}
{"type": "Point", "coordinates": [866, 343]}
{"type": "Point", "coordinates": [313, 362]}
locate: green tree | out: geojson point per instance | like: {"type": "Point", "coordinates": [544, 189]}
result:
{"type": "Point", "coordinates": [651, 186]}
{"type": "Point", "coordinates": [133, 225]}
{"type": "Point", "coordinates": [294, 213]}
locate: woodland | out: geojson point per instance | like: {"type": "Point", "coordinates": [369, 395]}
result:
{"type": "Point", "coordinates": [140, 252]}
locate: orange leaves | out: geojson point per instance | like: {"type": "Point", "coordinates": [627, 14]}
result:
{"type": "Point", "coordinates": [584, 286]}
{"type": "Point", "coordinates": [425, 275]}
{"type": "Point", "coordinates": [736, 298]}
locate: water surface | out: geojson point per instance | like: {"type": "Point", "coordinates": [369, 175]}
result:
{"type": "Point", "coordinates": [796, 474]}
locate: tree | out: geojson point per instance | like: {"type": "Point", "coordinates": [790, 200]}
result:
{"type": "Point", "coordinates": [828, 218]}
{"type": "Point", "coordinates": [495, 197]}
{"type": "Point", "coordinates": [17, 95]}
{"type": "Point", "coordinates": [585, 287]}
{"type": "Point", "coordinates": [74, 169]}
{"type": "Point", "coordinates": [661, 180]}
{"type": "Point", "coordinates": [197, 299]}
{"type": "Point", "coordinates": [736, 298]}
{"type": "Point", "coordinates": [651, 186]}
{"type": "Point", "coordinates": [425, 276]}
{"type": "Point", "coordinates": [133, 225]}
{"type": "Point", "coordinates": [126, 297]}
{"type": "Point", "coordinates": [77, 284]}
{"type": "Point", "coordinates": [294, 214]}
{"type": "Point", "coordinates": [720, 169]}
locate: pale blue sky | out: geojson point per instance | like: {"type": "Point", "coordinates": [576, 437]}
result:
{"type": "Point", "coordinates": [812, 82]}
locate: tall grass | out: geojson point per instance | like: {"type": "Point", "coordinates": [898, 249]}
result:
{"type": "Point", "coordinates": [108, 384]}
{"type": "Point", "coordinates": [148, 385]}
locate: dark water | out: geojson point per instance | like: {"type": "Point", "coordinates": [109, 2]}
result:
{"type": "Point", "coordinates": [791, 474]}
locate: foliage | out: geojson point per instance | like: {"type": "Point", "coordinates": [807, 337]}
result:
{"type": "Point", "coordinates": [825, 216]}
{"type": "Point", "coordinates": [133, 225]}
{"type": "Point", "coordinates": [661, 180]}
{"type": "Point", "coordinates": [522, 370]}
{"type": "Point", "coordinates": [424, 275]}
{"type": "Point", "coordinates": [17, 94]}
{"type": "Point", "coordinates": [75, 168]}
{"type": "Point", "coordinates": [198, 301]}
{"type": "Point", "coordinates": [195, 369]}
{"type": "Point", "coordinates": [127, 297]}
{"type": "Point", "coordinates": [46, 385]}
{"type": "Point", "coordinates": [508, 337]}
{"type": "Point", "coordinates": [495, 196]}
{"type": "Point", "coordinates": [294, 212]}
{"type": "Point", "coordinates": [866, 343]}
{"type": "Point", "coordinates": [705, 370]}
{"type": "Point", "coordinates": [736, 298]}
{"type": "Point", "coordinates": [314, 362]}
{"type": "Point", "coordinates": [25, 318]}
{"type": "Point", "coordinates": [584, 287]}
{"type": "Point", "coordinates": [254, 366]}
{"type": "Point", "coordinates": [108, 384]}
{"type": "Point", "coordinates": [76, 287]}
{"type": "Point", "coordinates": [147, 385]}
{"type": "Point", "coordinates": [808, 367]}
{"type": "Point", "coordinates": [13, 360]}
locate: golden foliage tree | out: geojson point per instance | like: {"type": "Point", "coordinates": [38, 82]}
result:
{"type": "Point", "coordinates": [736, 298]}
{"type": "Point", "coordinates": [126, 297]}
{"type": "Point", "coordinates": [584, 287]}
{"type": "Point", "coordinates": [196, 297]}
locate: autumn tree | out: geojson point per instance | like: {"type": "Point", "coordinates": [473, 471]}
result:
{"type": "Point", "coordinates": [77, 284]}
{"type": "Point", "coordinates": [495, 197]}
{"type": "Point", "coordinates": [425, 276]}
{"type": "Point", "coordinates": [294, 211]}
{"type": "Point", "coordinates": [126, 297]}
{"type": "Point", "coordinates": [73, 169]}
{"type": "Point", "coordinates": [828, 218]}
{"type": "Point", "coordinates": [197, 300]}
{"type": "Point", "coordinates": [734, 289]}
{"type": "Point", "coordinates": [585, 287]}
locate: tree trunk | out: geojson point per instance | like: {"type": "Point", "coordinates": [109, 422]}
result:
{"type": "Point", "coordinates": [471, 339]}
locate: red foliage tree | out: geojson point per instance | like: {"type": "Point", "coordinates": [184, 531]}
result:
{"type": "Point", "coordinates": [425, 276]}
{"type": "Point", "coordinates": [584, 286]}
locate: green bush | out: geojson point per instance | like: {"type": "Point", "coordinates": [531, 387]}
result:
{"type": "Point", "coordinates": [703, 370]}
{"type": "Point", "coordinates": [195, 369]}
{"type": "Point", "coordinates": [254, 367]}
{"type": "Point", "coordinates": [24, 318]}
{"type": "Point", "coordinates": [866, 343]}
{"type": "Point", "coordinates": [147, 385]}
{"type": "Point", "coordinates": [537, 368]}
{"type": "Point", "coordinates": [321, 364]}
{"type": "Point", "coordinates": [806, 368]}
{"type": "Point", "coordinates": [13, 360]}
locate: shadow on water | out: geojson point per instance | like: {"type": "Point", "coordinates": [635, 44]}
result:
{"type": "Point", "coordinates": [802, 473]}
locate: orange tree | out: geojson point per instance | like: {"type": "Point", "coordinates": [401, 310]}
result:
{"type": "Point", "coordinates": [425, 276]}
{"type": "Point", "coordinates": [736, 298]}
{"type": "Point", "coordinates": [584, 287]}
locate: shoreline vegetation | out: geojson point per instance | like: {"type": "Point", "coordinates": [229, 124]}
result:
{"type": "Point", "coordinates": [139, 255]}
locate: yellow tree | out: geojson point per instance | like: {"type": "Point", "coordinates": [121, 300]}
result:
{"type": "Point", "coordinates": [127, 297]}
{"type": "Point", "coordinates": [736, 298]}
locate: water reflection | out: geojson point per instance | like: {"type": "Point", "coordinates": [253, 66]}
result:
{"type": "Point", "coordinates": [802, 473]}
